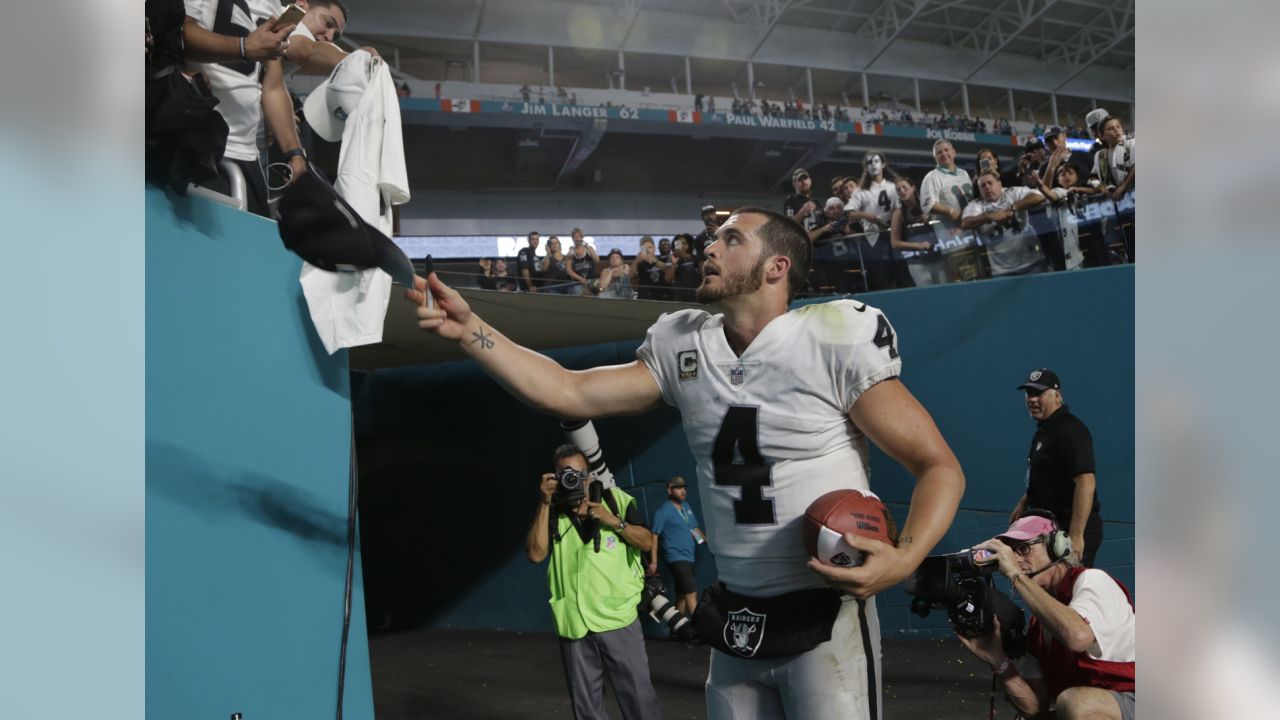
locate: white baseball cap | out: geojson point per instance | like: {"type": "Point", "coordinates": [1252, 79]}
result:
{"type": "Point", "coordinates": [1094, 117]}
{"type": "Point", "coordinates": [334, 100]}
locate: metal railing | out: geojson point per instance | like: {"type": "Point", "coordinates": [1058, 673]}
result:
{"type": "Point", "coordinates": [239, 195]}
{"type": "Point", "coordinates": [1091, 231]}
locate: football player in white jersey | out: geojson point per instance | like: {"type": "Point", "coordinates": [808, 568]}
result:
{"type": "Point", "coordinates": [777, 407]}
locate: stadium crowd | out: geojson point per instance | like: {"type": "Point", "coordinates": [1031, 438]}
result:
{"type": "Point", "coordinates": [876, 230]}
{"type": "Point", "coordinates": [881, 230]}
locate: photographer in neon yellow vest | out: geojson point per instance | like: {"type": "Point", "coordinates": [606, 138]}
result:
{"type": "Point", "coordinates": [595, 539]}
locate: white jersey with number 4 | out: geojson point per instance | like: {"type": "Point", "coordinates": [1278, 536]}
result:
{"type": "Point", "coordinates": [884, 199]}
{"type": "Point", "coordinates": [770, 430]}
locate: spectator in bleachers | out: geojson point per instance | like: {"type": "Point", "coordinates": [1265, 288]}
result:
{"type": "Point", "coordinates": [1114, 163]}
{"type": "Point", "coordinates": [873, 250]}
{"type": "Point", "coordinates": [1029, 165]}
{"type": "Point", "coordinates": [524, 93]}
{"type": "Point", "coordinates": [683, 274]}
{"type": "Point", "coordinates": [801, 206]}
{"type": "Point", "coordinates": [311, 45]}
{"type": "Point", "coordinates": [527, 264]}
{"type": "Point", "coordinates": [945, 192]}
{"type": "Point", "coordinates": [835, 224]}
{"type": "Point", "coordinates": [837, 187]}
{"type": "Point", "coordinates": [878, 181]}
{"type": "Point", "coordinates": [1093, 123]}
{"type": "Point", "coordinates": [240, 58]}
{"type": "Point", "coordinates": [999, 217]}
{"type": "Point", "coordinates": [912, 242]}
{"type": "Point", "coordinates": [1055, 146]}
{"type": "Point", "coordinates": [647, 272]}
{"type": "Point", "coordinates": [986, 160]}
{"type": "Point", "coordinates": [664, 251]}
{"type": "Point", "coordinates": [861, 208]}
{"type": "Point", "coordinates": [403, 90]}
{"type": "Point", "coordinates": [493, 276]}
{"type": "Point", "coordinates": [556, 271]}
{"type": "Point", "coordinates": [583, 263]}
{"type": "Point", "coordinates": [708, 235]}
{"type": "Point", "coordinates": [615, 280]}
{"type": "Point", "coordinates": [827, 273]}
{"type": "Point", "coordinates": [711, 105]}
{"type": "Point", "coordinates": [1067, 209]}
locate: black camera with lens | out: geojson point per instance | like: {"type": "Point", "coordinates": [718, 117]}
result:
{"type": "Point", "coordinates": [572, 485]}
{"type": "Point", "coordinates": [961, 585]}
{"type": "Point", "coordinates": [662, 610]}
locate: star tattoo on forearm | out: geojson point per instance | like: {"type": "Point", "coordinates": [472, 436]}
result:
{"type": "Point", "coordinates": [485, 340]}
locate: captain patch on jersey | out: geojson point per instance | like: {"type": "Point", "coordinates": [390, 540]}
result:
{"type": "Point", "coordinates": [770, 429]}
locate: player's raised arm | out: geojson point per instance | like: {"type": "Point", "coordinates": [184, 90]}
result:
{"type": "Point", "coordinates": [533, 378]}
{"type": "Point", "coordinates": [894, 420]}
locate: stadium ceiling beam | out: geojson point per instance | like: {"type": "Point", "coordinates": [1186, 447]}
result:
{"type": "Point", "coordinates": [769, 13]}
{"type": "Point", "coordinates": [832, 12]}
{"type": "Point", "coordinates": [633, 7]}
{"type": "Point", "coordinates": [1107, 30]}
{"type": "Point", "coordinates": [887, 23]}
{"type": "Point", "coordinates": [993, 35]}
{"type": "Point", "coordinates": [482, 4]}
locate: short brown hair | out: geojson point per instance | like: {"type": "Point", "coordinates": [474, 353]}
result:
{"type": "Point", "coordinates": [783, 236]}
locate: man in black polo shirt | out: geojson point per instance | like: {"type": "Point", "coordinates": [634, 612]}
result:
{"type": "Point", "coordinates": [1060, 468]}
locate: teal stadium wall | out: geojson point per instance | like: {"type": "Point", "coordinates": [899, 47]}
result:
{"type": "Point", "coordinates": [448, 491]}
{"type": "Point", "coordinates": [248, 437]}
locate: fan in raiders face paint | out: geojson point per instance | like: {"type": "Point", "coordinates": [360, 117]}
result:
{"type": "Point", "coordinates": [878, 182]}
{"type": "Point", "coordinates": [745, 378]}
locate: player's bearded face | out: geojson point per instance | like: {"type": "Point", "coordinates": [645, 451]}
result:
{"type": "Point", "coordinates": [719, 283]}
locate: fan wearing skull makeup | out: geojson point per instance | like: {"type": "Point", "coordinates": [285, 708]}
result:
{"type": "Point", "coordinates": [878, 182]}
{"type": "Point", "coordinates": [873, 203]}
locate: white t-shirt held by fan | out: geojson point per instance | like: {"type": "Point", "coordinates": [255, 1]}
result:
{"type": "Point", "coordinates": [358, 104]}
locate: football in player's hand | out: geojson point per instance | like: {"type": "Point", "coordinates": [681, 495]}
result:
{"type": "Point", "coordinates": [845, 511]}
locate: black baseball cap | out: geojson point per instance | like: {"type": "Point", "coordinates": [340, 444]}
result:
{"type": "Point", "coordinates": [322, 228]}
{"type": "Point", "coordinates": [1041, 379]}
{"type": "Point", "coordinates": [1052, 133]}
{"type": "Point", "coordinates": [1033, 143]}
{"type": "Point", "coordinates": [707, 208]}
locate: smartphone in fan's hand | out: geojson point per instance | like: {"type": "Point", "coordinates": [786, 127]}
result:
{"type": "Point", "coordinates": [292, 15]}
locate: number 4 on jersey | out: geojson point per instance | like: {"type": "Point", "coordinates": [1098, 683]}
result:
{"type": "Point", "coordinates": [740, 431]}
{"type": "Point", "coordinates": [884, 337]}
